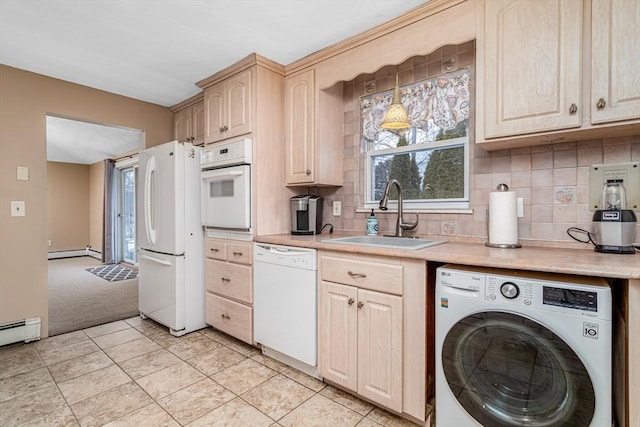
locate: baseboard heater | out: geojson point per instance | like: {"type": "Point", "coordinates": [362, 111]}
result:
{"type": "Point", "coordinates": [23, 330]}
{"type": "Point", "coordinates": [75, 253]}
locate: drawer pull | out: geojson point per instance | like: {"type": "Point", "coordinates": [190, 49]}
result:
{"type": "Point", "coordinates": [225, 279]}
{"type": "Point", "coordinates": [214, 249]}
{"type": "Point", "coordinates": [225, 316]}
{"type": "Point", "coordinates": [351, 301]}
{"type": "Point", "coordinates": [237, 253]}
{"type": "Point", "coordinates": [356, 275]}
{"type": "Point", "coordinates": [360, 304]}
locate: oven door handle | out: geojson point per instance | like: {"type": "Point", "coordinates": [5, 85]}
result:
{"type": "Point", "coordinates": [214, 175]}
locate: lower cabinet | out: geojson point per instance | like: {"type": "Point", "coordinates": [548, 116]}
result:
{"type": "Point", "coordinates": [362, 341]}
{"type": "Point", "coordinates": [372, 328]}
{"type": "Point", "coordinates": [229, 282]}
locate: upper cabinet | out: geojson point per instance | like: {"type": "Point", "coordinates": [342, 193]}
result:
{"type": "Point", "coordinates": [228, 108]}
{"type": "Point", "coordinates": [313, 132]}
{"type": "Point", "coordinates": [542, 80]}
{"type": "Point", "coordinates": [532, 58]}
{"type": "Point", "coordinates": [188, 121]}
{"type": "Point", "coordinates": [615, 55]}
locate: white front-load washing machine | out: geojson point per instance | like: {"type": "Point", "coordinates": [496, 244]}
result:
{"type": "Point", "coordinates": [522, 349]}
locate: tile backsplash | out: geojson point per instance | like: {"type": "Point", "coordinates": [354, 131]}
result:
{"type": "Point", "coordinates": [552, 179]}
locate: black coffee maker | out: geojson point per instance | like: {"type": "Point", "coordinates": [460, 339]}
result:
{"type": "Point", "coordinates": [306, 214]}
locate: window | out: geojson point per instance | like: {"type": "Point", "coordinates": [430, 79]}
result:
{"type": "Point", "coordinates": [430, 159]}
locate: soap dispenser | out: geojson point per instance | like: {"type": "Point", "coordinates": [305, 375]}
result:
{"type": "Point", "coordinates": [372, 225]}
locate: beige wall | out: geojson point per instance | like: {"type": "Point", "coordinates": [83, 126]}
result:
{"type": "Point", "coordinates": [68, 206]}
{"type": "Point", "coordinates": [25, 99]}
{"type": "Point", "coordinates": [552, 179]}
{"type": "Point", "coordinates": [96, 203]}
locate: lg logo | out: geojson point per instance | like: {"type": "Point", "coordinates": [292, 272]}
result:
{"type": "Point", "coordinates": [590, 330]}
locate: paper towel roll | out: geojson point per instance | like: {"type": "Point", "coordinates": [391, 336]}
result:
{"type": "Point", "coordinates": [503, 218]}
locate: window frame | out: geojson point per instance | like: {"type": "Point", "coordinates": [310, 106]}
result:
{"type": "Point", "coordinates": [417, 204]}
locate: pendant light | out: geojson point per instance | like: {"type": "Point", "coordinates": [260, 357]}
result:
{"type": "Point", "coordinates": [396, 116]}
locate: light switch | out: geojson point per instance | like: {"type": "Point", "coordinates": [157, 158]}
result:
{"type": "Point", "coordinates": [18, 208]}
{"type": "Point", "coordinates": [23, 173]}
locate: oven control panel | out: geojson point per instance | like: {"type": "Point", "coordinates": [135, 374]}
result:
{"type": "Point", "coordinates": [227, 154]}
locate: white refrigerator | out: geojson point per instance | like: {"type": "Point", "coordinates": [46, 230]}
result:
{"type": "Point", "coordinates": [171, 287]}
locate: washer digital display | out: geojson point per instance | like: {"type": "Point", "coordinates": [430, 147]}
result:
{"type": "Point", "coordinates": [570, 298]}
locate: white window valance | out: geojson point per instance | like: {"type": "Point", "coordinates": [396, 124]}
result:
{"type": "Point", "coordinates": [443, 100]}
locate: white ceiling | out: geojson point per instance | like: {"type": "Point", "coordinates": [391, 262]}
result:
{"type": "Point", "coordinates": [156, 51]}
{"type": "Point", "coordinates": [74, 141]}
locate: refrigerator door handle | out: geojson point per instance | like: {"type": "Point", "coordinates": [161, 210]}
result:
{"type": "Point", "coordinates": [148, 202]}
{"type": "Point", "coordinates": [156, 260]}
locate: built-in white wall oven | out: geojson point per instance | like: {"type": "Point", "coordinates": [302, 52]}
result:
{"type": "Point", "coordinates": [226, 185]}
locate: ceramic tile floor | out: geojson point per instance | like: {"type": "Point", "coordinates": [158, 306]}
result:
{"type": "Point", "coordinates": [134, 373]}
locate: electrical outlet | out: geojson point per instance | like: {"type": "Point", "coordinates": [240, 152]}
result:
{"type": "Point", "coordinates": [337, 208]}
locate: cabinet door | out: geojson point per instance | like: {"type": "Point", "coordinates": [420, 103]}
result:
{"type": "Point", "coordinates": [238, 105]}
{"type": "Point", "coordinates": [197, 123]}
{"type": "Point", "coordinates": [380, 348]}
{"type": "Point", "coordinates": [182, 125]}
{"type": "Point", "coordinates": [532, 66]}
{"type": "Point", "coordinates": [214, 113]}
{"type": "Point", "coordinates": [299, 128]}
{"type": "Point", "coordinates": [338, 334]}
{"type": "Point", "coordinates": [615, 34]}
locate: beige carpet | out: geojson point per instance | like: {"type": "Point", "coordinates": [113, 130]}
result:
{"type": "Point", "coordinates": [79, 299]}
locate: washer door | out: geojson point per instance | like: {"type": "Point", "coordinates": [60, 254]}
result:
{"type": "Point", "coordinates": [508, 370]}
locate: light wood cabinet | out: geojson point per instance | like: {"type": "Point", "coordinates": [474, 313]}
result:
{"type": "Point", "coordinates": [372, 328]}
{"type": "Point", "coordinates": [188, 121]}
{"type": "Point", "coordinates": [556, 71]}
{"type": "Point", "coordinates": [362, 335]}
{"type": "Point", "coordinates": [615, 55]}
{"type": "Point", "coordinates": [313, 132]}
{"type": "Point", "coordinates": [229, 284]}
{"type": "Point", "coordinates": [532, 60]}
{"type": "Point", "coordinates": [228, 106]}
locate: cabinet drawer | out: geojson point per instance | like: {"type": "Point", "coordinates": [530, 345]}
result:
{"type": "Point", "coordinates": [230, 280]}
{"type": "Point", "coordinates": [240, 252]}
{"type": "Point", "coordinates": [215, 249]}
{"type": "Point", "coordinates": [230, 317]}
{"type": "Point", "coordinates": [363, 274]}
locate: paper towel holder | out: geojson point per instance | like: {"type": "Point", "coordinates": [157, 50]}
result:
{"type": "Point", "coordinates": [500, 187]}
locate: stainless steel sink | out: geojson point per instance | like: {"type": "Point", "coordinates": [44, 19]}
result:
{"type": "Point", "coordinates": [386, 242]}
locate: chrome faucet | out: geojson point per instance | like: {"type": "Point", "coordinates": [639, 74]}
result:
{"type": "Point", "coordinates": [400, 224]}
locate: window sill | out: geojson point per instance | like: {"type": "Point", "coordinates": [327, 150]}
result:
{"type": "Point", "coordinates": [393, 210]}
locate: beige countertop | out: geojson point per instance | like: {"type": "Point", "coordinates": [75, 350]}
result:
{"type": "Point", "coordinates": [584, 262]}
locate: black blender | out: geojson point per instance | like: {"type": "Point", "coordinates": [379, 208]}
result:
{"type": "Point", "coordinates": [614, 225]}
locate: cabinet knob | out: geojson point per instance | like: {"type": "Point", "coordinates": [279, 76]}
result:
{"type": "Point", "coordinates": [225, 316]}
{"type": "Point", "coordinates": [360, 304]}
{"type": "Point", "coordinates": [601, 103]}
{"type": "Point", "coordinates": [308, 172]}
{"type": "Point", "coordinates": [351, 301]}
{"type": "Point", "coordinates": [573, 109]}
{"type": "Point", "coordinates": [356, 275]}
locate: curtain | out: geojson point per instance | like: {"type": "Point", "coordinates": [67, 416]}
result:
{"type": "Point", "coordinates": [108, 223]}
{"type": "Point", "coordinates": [443, 100]}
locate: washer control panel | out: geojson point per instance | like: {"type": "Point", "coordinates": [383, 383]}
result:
{"type": "Point", "coordinates": [542, 291]}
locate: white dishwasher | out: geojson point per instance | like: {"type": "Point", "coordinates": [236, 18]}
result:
{"type": "Point", "coordinates": [285, 304]}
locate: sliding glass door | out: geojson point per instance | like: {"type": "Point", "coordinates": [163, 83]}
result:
{"type": "Point", "coordinates": [126, 229]}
